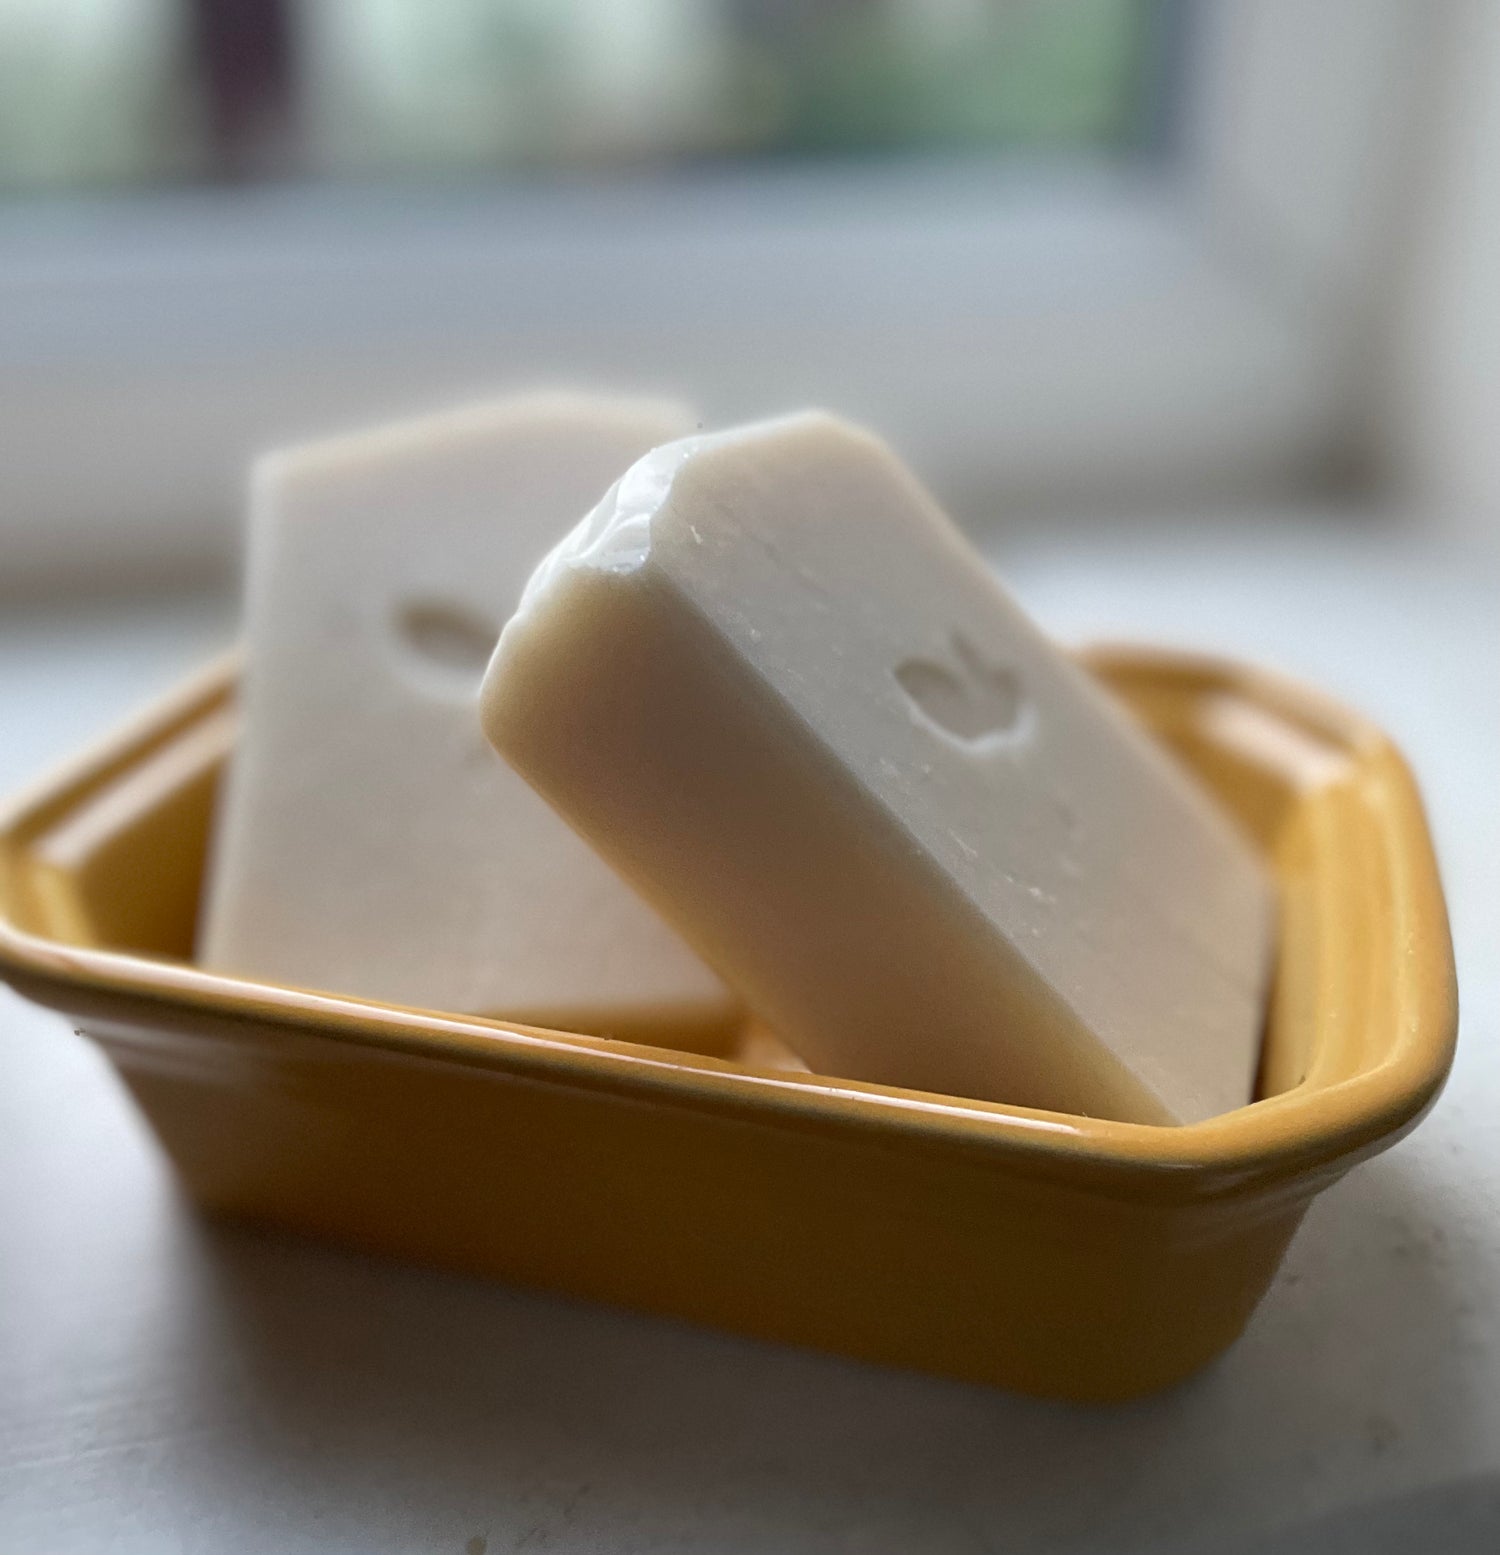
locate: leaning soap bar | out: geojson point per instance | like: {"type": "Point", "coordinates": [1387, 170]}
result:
{"type": "Point", "coordinates": [771, 682]}
{"type": "Point", "coordinates": [369, 842]}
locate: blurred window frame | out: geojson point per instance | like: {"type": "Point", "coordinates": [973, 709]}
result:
{"type": "Point", "coordinates": [1063, 335]}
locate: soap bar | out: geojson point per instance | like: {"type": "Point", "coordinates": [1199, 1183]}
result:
{"type": "Point", "coordinates": [773, 684]}
{"type": "Point", "coordinates": [369, 841]}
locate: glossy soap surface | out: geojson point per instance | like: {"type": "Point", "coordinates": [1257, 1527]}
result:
{"type": "Point", "coordinates": [1060, 1255]}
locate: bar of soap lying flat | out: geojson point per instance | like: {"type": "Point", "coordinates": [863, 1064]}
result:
{"type": "Point", "coordinates": [770, 681]}
{"type": "Point", "coordinates": [369, 841]}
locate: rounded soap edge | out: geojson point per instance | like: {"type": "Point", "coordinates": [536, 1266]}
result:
{"type": "Point", "coordinates": [615, 535]}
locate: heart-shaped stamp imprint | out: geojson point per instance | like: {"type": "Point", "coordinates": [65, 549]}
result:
{"type": "Point", "coordinates": [444, 647]}
{"type": "Point", "coordinates": [972, 700]}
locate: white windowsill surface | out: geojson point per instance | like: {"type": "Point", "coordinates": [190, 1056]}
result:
{"type": "Point", "coordinates": [166, 1384]}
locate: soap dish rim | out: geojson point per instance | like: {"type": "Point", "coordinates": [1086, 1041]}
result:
{"type": "Point", "coordinates": [1279, 1140]}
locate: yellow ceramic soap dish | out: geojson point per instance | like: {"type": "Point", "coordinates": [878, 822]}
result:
{"type": "Point", "coordinates": [1060, 1255]}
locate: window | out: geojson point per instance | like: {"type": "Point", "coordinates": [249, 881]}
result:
{"type": "Point", "coordinates": [120, 92]}
{"type": "Point", "coordinates": [1061, 251]}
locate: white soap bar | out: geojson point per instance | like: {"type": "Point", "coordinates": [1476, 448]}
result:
{"type": "Point", "coordinates": [772, 683]}
{"type": "Point", "coordinates": [369, 841]}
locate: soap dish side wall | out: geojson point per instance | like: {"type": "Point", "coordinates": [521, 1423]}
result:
{"type": "Point", "coordinates": [1058, 1255]}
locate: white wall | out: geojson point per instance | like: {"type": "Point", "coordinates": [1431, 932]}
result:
{"type": "Point", "coordinates": [1442, 428]}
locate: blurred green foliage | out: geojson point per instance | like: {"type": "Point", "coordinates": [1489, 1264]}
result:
{"type": "Point", "coordinates": [113, 91]}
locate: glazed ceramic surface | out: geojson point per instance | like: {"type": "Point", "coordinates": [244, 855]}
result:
{"type": "Point", "coordinates": [1052, 1253]}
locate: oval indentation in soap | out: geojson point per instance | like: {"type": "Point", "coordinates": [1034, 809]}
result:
{"type": "Point", "coordinates": [444, 646]}
{"type": "Point", "coordinates": [969, 698]}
